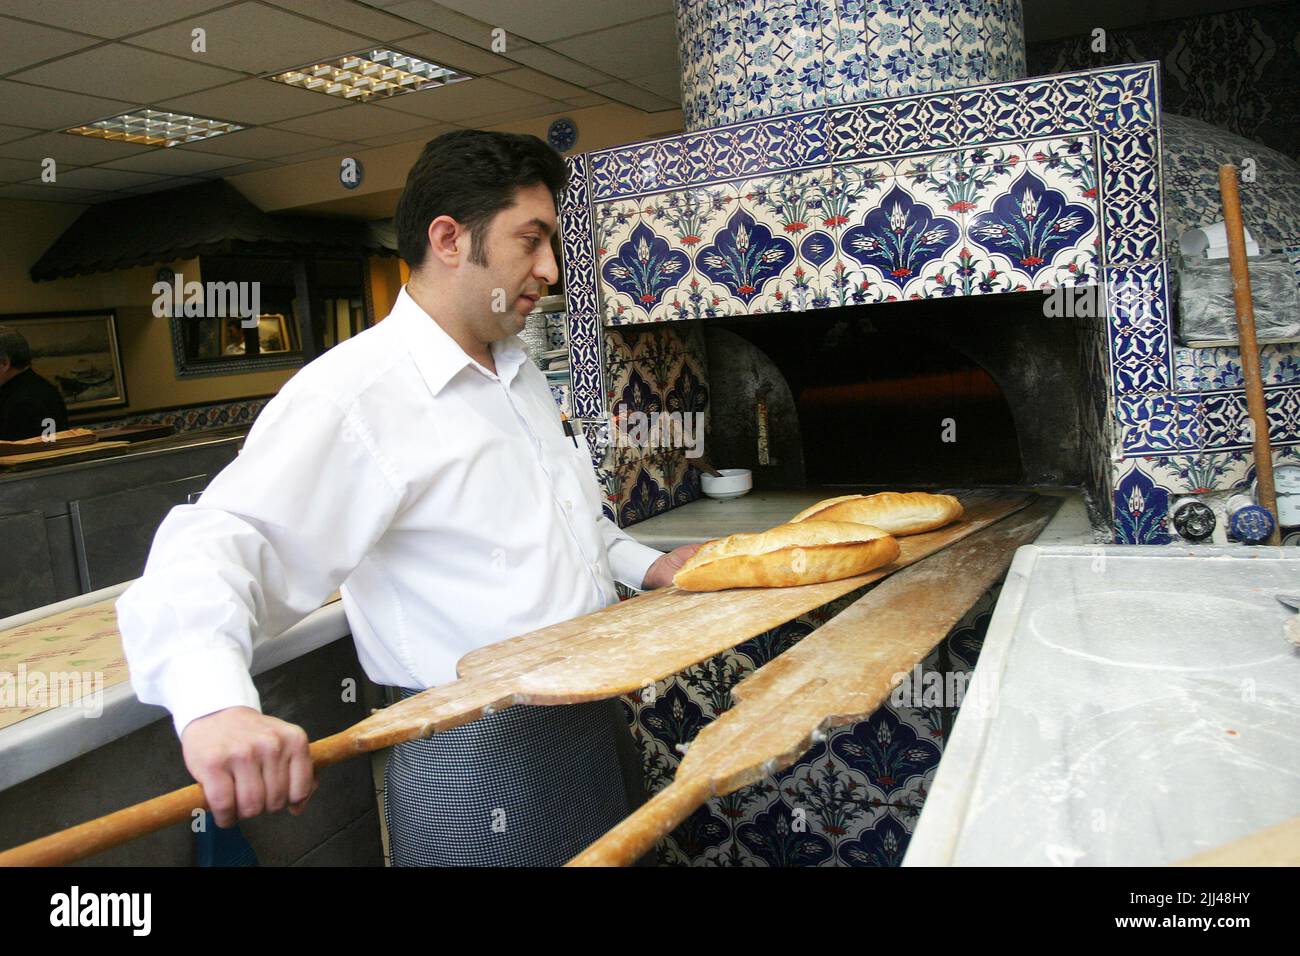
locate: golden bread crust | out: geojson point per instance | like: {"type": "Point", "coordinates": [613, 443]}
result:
{"type": "Point", "coordinates": [809, 552]}
{"type": "Point", "coordinates": [910, 512]}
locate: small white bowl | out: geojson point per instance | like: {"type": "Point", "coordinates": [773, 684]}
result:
{"type": "Point", "coordinates": [733, 483]}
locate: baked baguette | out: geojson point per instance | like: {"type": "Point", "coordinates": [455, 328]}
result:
{"type": "Point", "coordinates": [806, 553]}
{"type": "Point", "coordinates": [910, 512]}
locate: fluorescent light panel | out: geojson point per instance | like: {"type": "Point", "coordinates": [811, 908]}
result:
{"type": "Point", "coordinates": [155, 128]}
{"type": "Point", "coordinates": [370, 75]}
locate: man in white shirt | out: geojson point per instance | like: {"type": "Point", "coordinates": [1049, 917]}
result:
{"type": "Point", "coordinates": [422, 469]}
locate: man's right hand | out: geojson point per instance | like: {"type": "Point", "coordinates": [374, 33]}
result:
{"type": "Point", "coordinates": [248, 764]}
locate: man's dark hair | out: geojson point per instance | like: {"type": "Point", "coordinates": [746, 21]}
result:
{"type": "Point", "coordinates": [14, 347]}
{"type": "Point", "coordinates": [470, 175]}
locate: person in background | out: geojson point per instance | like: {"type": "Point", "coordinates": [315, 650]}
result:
{"type": "Point", "coordinates": [29, 404]}
{"type": "Point", "coordinates": [423, 469]}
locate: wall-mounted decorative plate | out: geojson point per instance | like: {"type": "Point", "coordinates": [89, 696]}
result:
{"type": "Point", "coordinates": [563, 134]}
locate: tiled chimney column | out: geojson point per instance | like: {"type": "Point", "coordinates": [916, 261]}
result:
{"type": "Point", "coordinates": [747, 59]}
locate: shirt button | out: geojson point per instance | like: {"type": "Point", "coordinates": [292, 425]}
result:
{"type": "Point", "coordinates": [568, 505]}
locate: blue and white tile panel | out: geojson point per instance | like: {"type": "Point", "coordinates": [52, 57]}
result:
{"type": "Point", "coordinates": [1015, 217]}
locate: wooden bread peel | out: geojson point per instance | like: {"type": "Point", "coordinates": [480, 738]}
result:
{"type": "Point", "coordinates": [1275, 846]}
{"type": "Point", "coordinates": [68, 438]}
{"type": "Point", "coordinates": [1256, 406]}
{"type": "Point", "coordinates": [837, 675]}
{"type": "Point", "coordinates": [619, 649]}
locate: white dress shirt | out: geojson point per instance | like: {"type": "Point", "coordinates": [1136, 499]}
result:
{"type": "Point", "coordinates": [443, 501]}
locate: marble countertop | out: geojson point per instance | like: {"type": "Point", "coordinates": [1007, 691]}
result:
{"type": "Point", "coordinates": [45, 740]}
{"type": "Point", "coordinates": [1133, 706]}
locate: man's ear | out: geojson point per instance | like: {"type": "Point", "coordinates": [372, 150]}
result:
{"type": "Point", "coordinates": [445, 235]}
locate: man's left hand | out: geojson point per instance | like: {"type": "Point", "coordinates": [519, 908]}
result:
{"type": "Point", "coordinates": [660, 574]}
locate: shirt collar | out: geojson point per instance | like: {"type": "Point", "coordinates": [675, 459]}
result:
{"type": "Point", "coordinates": [436, 353]}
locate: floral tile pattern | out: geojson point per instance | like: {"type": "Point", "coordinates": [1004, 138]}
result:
{"type": "Point", "coordinates": [852, 800]}
{"type": "Point", "coordinates": [743, 59]}
{"type": "Point", "coordinates": [652, 370]}
{"type": "Point", "coordinates": [195, 417]}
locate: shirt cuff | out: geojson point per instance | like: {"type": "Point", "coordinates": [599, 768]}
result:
{"type": "Point", "coordinates": [205, 682]}
{"type": "Point", "coordinates": [630, 560]}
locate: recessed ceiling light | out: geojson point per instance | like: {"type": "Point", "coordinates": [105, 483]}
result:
{"type": "Point", "coordinates": [155, 128]}
{"type": "Point", "coordinates": [369, 75]}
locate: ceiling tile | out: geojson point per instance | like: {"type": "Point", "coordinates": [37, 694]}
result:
{"type": "Point", "coordinates": [127, 73]}
{"type": "Point", "coordinates": [423, 134]}
{"type": "Point", "coordinates": [110, 20]}
{"type": "Point", "coordinates": [46, 109]}
{"type": "Point", "coordinates": [585, 100]}
{"type": "Point", "coordinates": [10, 133]}
{"type": "Point", "coordinates": [355, 122]}
{"type": "Point", "coordinates": [632, 96]}
{"type": "Point", "coordinates": [18, 170]}
{"type": "Point", "coordinates": [253, 39]}
{"type": "Point", "coordinates": [338, 151]}
{"type": "Point", "coordinates": [253, 167]}
{"type": "Point", "coordinates": [48, 193]}
{"type": "Point", "coordinates": [635, 49]}
{"type": "Point", "coordinates": [357, 17]}
{"type": "Point", "coordinates": [543, 22]}
{"type": "Point", "coordinates": [260, 143]}
{"type": "Point", "coordinates": [454, 24]}
{"type": "Point", "coordinates": [22, 44]}
{"type": "Point", "coordinates": [66, 148]}
{"type": "Point", "coordinates": [668, 85]}
{"type": "Point", "coordinates": [175, 161]}
{"type": "Point", "coordinates": [527, 79]}
{"type": "Point", "coordinates": [552, 63]}
{"type": "Point", "coordinates": [461, 100]}
{"type": "Point", "coordinates": [514, 116]}
{"type": "Point", "coordinates": [171, 182]}
{"type": "Point", "coordinates": [253, 102]}
{"type": "Point", "coordinates": [448, 51]}
{"type": "Point", "coordinates": [98, 178]}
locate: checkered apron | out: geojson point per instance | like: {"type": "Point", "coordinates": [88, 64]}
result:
{"type": "Point", "coordinates": [526, 786]}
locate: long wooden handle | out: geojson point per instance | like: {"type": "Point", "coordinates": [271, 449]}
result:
{"type": "Point", "coordinates": [651, 821]}
{"type": "Point", "coordinates": [1241, 296]}
{"type": "Point", "coordinates": [125, 825]}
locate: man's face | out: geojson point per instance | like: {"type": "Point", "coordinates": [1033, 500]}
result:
{"type": "Point", "coordinates": [519, 262]}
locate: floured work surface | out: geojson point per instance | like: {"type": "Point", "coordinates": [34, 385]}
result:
{"type": "Point", "coordinates": [1146, 708]}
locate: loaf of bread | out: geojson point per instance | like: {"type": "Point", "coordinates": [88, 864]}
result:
{"type": "Point", "coordinates": [806, 553]}
{"type": "Point", "coordinates": [897, 512]}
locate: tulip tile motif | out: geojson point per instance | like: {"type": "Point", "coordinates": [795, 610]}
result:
{"type": "Point", "coordinates": [1031, 224]}
{"type": "Point", "coordinates": [744, 256]}
{"type": "Point", "coordinates": [645, 268]}
{"type": "Point", "coordinates": [900, 236]}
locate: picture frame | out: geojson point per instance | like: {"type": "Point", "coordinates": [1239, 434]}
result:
{"type": "Point", "coordinates": [272, 335]}
{"type": "Point", "coordinates": [78, 353]}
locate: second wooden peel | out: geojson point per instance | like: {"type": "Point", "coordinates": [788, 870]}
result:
{"type": "Point", "coordinates": [1255, 405]}
{"type": "Point", "coordinates": [619, 649]}
{"type": "Point", "coordinates": [1274, 846]}
{"type": "Point", "coordinates": [836, 675]}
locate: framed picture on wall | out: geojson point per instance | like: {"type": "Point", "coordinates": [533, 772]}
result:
{"type": "Point", "coordinates": [78, 353]}
{"type": "Point", "coordinates": [272, 335]}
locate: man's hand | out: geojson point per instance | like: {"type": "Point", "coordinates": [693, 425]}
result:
{"type": "Point", "coordinates": [660, 574]}
{"type": "Point", "coordinates": [248, 764]}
